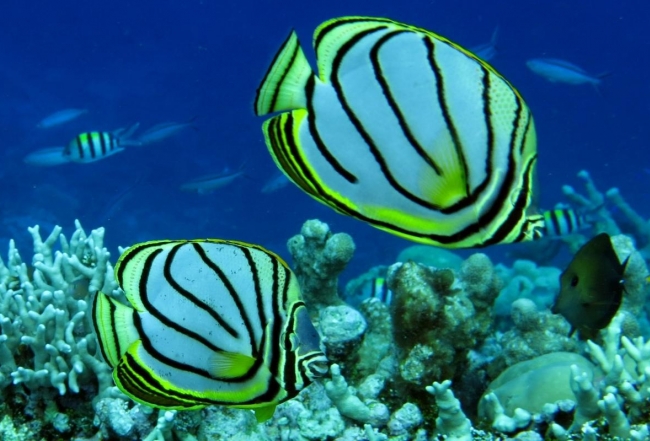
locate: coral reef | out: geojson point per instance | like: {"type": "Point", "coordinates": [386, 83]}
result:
{"type": "Point", "coordinates": [47, 340]}
{"type": "Point", "coordinates": [439, 316]}
{"type": "Point", "coordinates": [414, 369]}
{"type": "Point", "coordinates": [319, 257]}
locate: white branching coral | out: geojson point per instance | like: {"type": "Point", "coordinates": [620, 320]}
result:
{"type": "Point", "coordinates": [47, 338]}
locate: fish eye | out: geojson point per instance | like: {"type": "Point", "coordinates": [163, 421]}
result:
{"type": "Point", "coordinates": [574, 280]}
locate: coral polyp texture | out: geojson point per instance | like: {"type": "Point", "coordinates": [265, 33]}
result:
{"type": "Point", "coordinates": [461, 350]}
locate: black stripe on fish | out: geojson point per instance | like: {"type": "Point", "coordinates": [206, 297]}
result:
{"type": "Point", "coordinates": [446, 113]}
{"type": "Point", "coordinates": [502, 199]}
{"type": "Point", "coordinates": [259, 301]}
{"type": "Point", "coordinates": [318, 140]}
{"type": "Point", "coordinates": [374, 150]}
{"type": "Point", "coordinates": [274, 358]}
{"type": "Point", "coordinates": [90, 145]}
{"type": "Point", "coordinates": [154, 353]}
{"type": "Point", "coordinates": [80, 148]}
{"type": "Point", "coordinates": [112, 327]}
{"type": "Point", "coordinates": [341, 22]}
{"type": "Point", "coordinates": [102, 144]}
{"type": "Point", "coordinates": [556, 222]}
{"type": "Point", "coordinates": [290, 368]}
{"type": "Point", "coordinates": [234, 296]}
{"type": "Point", "coordinates": [130, 253]}
{"type": "Point", "coordinates": [518, 212]}
{"type": "Point", "coordinates": [146, 387]}
{"type": "Point", "coordinates": [191, 297]}
{"type": "Point", "coordinates": [379, 76]}
{"type": "Point", "coordinates": [276, 92]}
{"type": "Point", "coordinates": [144, 296]}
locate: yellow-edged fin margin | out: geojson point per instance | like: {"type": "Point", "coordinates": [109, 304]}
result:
{"type": "Point", "coordinates": [131, 266]}
{"type": "Point", "coordinates": [283, 86]}
{"type": "Point", "coordinates": [282, 138]}
{"type": "Point", "coordinates": [331, 29]}
{"type": "Point", "coordinates": [114, 327]}
{"type": "Point", "coordinates": [135, 377]}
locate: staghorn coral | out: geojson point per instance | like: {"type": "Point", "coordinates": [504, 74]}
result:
{"type": "Point", "coordinates": [596, 203]}
{"type": "Point", "coordinates": [47, 339]}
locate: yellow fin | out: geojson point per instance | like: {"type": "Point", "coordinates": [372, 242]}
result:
{"type": "Point", "coordinates": [114, 326]}
{"type": "Point", "coordinates": [283, 86]}
{"type": "Point", "coordinates": [229, 364]}
{"type": "Point", "coordinates": [264, 413]}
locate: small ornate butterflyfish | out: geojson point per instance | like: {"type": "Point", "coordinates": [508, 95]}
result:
{"type": "Point", "coordinates": [591, 287]}
{"type": "Point", "coordinates": [208, 322]}
{"type": "Point", "coordinates": [405, 130]}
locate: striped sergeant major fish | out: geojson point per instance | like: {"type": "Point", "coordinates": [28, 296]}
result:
{"type": "Point", "coordinates": [562, 222]}
{"type": "Point", "coordinates": [208, 322]}
{"type": "Point", "coordinates": [93, 146]}
{"type": "Point", "coordinates": [404, 130]}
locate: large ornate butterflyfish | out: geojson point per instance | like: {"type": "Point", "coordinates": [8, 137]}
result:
{"type": "Point", "coordinates": [405, 130]}
{"type": "Point", "coordinates": [208, 322]}
{"type": "Point", "coordinates": [591, 287]}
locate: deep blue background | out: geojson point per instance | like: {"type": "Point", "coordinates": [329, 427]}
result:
{"type": "Point", "coordinates": [154, 61]}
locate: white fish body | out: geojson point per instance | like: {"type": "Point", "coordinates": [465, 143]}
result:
{"type": "Point", "coordinates": [47, 157]}
{"type": "Point", "coordinates": [162, 131]}
{"type": "Point", "coordinates": [560, 71]}
{"type": "Point", "coordinates": [60, 117]}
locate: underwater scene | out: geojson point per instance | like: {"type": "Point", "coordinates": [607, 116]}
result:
{"type": "Point", "coordinates": [350, 221]}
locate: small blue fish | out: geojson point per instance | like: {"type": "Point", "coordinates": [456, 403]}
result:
{"type": "Point", "coordinates": [165, 130]}
{"type": "Point", "coordinates": [560, 71]}
{"type": "Point", "coordinates": [275, 183]}
{"type": "Point", "coordinates": [487, 51]}
{"type": "Point", "coordinates": [209, 183]}
{"type": "Point", "coordinates": [47, 157]}
{"type": "Point", "coordinates": [60, 117]}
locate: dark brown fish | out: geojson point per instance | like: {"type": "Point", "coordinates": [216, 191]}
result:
{"type": "Point", "coordinates": [591, 287]}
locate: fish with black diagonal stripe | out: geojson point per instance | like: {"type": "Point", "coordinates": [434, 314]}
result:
{"type": "Point", "coordinates": [208, 322]}
{"type": "Point", "coordinates": [405, 130]}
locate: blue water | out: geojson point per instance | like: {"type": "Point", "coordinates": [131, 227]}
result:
{"type": "Point", "coordinates": [155, 61]}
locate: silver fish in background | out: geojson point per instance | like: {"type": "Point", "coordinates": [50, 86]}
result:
{"type": "Point", "coordinates": [93, 146]}
{"type": "Point", "coordinates": [208, 183]}
{"type": "Point", "coordinates": [487, 51]}
{"type": "Point", "coordinates": [60, 117]}
{"type": "Point", "coordinates": [47, 157]}
{"type": "Point", "coordinates": [560, 71]}
{"type": "Point", "coordinates": [275, 183]}
{"type": "Point", "coordinates": [165, 130]}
